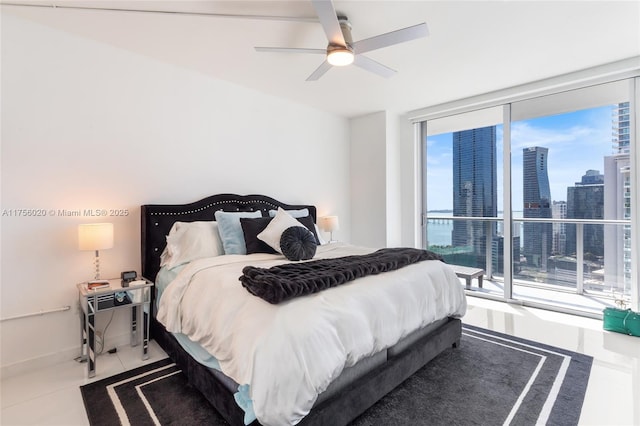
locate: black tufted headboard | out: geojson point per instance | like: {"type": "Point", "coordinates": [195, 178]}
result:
{"type": "Point", "coordinates": [157, 220]}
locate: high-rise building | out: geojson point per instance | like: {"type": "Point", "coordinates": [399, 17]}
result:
{"type": "Point", "coordinates": [621, 128]}
{"type": "Point", "coordinates": [474, 189]}
{"type": "Point", "coordinates": [559, 244]}
{"type": "Point", "coordinates": [585, 200]}
{"type": "Point", "coordinates": [497, 254]}
{"type": "Point", "coordinates": [536, 196]}
{"type": "Point", "coordinates": [617, 204]}
{"type": "Point", "coordinates": [591, 177]}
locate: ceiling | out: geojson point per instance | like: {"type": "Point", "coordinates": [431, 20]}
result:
{"type": "Point", "coordinates": [474, 47]}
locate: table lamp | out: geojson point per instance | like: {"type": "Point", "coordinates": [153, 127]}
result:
{"type": "Point", "coordinates": [330, 224]}
{"type": "Point", "coordinates": [95, 236]}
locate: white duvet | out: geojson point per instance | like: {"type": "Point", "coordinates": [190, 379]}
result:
{"type": "Point", "coordinates": [289, 353]}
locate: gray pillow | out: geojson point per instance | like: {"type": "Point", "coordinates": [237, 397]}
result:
{"type": "Point", "coordinates": [298, 243]}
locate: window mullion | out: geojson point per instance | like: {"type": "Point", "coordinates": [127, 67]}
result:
{"type": "Point", "coordinates": [506, 203]}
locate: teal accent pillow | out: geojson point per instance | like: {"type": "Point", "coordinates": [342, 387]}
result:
{"type": "Point", "coordinates": [231, 231]}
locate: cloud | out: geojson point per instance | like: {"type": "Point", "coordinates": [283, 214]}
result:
{"type": "Point", "coordinates": [524, 134]}
{"type": "Point", "coordinates": [567, 132]}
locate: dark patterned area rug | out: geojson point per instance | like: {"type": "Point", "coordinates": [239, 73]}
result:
{"type": "Point", "coordinates": [491, 379]}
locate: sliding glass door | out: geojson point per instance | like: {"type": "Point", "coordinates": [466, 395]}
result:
{"type": "Point", "coordinates": [538, 193]}
{"type": "Point", "coordinates": [571, 197]}
{"type": "Point", "coordinates": [463, 177]}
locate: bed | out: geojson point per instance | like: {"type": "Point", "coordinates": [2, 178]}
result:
{"type": "Point", "coordinates": [353, 387]}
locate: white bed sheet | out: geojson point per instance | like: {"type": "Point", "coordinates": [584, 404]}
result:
{"type": "Point", "coordinates": [290, 352]}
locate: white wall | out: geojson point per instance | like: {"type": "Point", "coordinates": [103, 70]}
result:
{"type": "Point", "coordinates": [410, 184]}
{"type": "Point", "coordinates": [368, 166]}
{"type": "Point", "coordinates": [378, 153]}
{"type": "Point", "coordinates": [86, 125]}
{"type": "Point", "coordinates": [393, 189]}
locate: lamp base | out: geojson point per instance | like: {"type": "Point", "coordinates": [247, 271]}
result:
{"type": "Point", "coordinates": [97, 264]}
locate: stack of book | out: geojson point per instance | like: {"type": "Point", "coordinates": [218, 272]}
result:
{"type": "Point", "coordinates": [98, 284]}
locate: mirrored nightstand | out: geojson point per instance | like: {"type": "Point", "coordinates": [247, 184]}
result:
{"type": "Point", "coordinates": [136, 297]}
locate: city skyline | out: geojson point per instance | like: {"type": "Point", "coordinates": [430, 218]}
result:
{"type": "Point", "coordinates": [580, 139]}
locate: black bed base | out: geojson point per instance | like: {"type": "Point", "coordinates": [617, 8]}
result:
{"type": "Point", "coordinates": [341, 409]}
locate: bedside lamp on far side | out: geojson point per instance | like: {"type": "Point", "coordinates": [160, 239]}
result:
{"type": "Point", "coordinates": [330, 224]}
{"type": "Point", "coordinates": [95, 236]}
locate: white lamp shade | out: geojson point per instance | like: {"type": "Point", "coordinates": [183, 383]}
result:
{"type": "Point", "coordinates": [95, 236]}
{"type": "Point", "coordinates": [329, 223]}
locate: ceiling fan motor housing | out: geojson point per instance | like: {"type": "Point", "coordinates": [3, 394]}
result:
{"type": "Point", "coordinates": [345, 26]}
{"type": "Point", "coordinates": [337, 54]}
{"type": "Point", "coordinates": [337, 47]}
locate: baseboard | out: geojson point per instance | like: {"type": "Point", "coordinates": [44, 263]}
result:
{"type": "Point", "coordinates": [55, 358]}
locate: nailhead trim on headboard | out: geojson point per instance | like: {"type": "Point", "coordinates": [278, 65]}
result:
{"type": "Point", "coordinates": [241, 202]}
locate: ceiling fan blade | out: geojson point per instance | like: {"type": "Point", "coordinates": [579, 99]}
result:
{"type": "Point", "coordinates": [373, 66]}
{"type": "Point", "coordinates": [388, 39]}
{"type": "Point", "coordinates": [290, 50]}
{"type": "Point", "coordinates": [320, 71]}
{"type": "Point", "coordinates": [329, 20]}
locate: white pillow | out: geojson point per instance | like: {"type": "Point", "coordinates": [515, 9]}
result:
{"type": "Point", "coordinates": [272, 233]}
{"type": "Point", "coordinates": [294, 213]}
{"type": "Point", "coordinates": [189, 241]}
{"type": "Point", "coordinates": [320, 239]}
{"type": "Point", "coordinates": [301, 213]}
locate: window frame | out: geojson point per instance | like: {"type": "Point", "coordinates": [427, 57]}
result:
{"type": "Point", "coordinates": [626, 72]}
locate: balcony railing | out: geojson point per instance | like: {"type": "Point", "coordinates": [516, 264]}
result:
{"type": "Point", "coordinates": [486, 246]}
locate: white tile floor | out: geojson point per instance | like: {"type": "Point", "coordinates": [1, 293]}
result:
{"type": "Point", "coordinates": [51, 396]}
{"type": "Point", "coordinates": [590, 302]}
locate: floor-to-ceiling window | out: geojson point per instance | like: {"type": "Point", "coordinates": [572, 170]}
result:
{"type": "Point", "coordinates": [463, 178]}
{"type": "Point", "coordinates": [538, 193]}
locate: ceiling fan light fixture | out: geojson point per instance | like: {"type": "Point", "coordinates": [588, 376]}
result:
{"type": "Point", "coordinates": [340, 56]}
{"type": "Point", "coordinates": [341, 48]}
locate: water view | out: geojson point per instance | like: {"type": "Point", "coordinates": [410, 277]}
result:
{"type": "Point", "coordinates": [439, 230]}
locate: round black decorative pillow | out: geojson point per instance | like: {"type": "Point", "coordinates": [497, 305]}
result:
{"type": "Point", "coordinates": [298, 243]}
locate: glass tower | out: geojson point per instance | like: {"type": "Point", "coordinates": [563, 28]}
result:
{"type": "Point", "coordinates": [585, 200]}
{"type": "Point", "coordinates": [474, 190]}
{"type": "Point", "coordinates": [559, 211]}
{"type": "Point", "coordinates": [536, 196]}
{"type": "Point", "coordinates": [617, 203]}
{"type": "Point", "coordinates": [621, 128]}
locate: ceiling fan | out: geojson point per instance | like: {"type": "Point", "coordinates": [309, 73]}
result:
{"type": "Point", "coordinates": [342, 50]}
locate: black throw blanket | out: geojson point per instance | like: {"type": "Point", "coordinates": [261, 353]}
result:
{"type": "Point", "coordinates": [290, 280]}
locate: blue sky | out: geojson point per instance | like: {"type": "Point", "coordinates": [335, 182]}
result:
{"type": "Point", "coordinates": [577, 142]}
